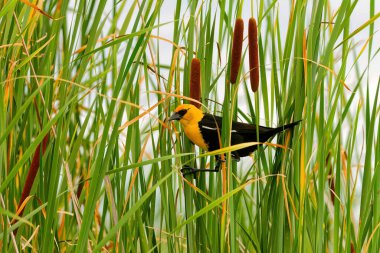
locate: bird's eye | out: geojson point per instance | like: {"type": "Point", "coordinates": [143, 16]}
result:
{"type": "Point", "coordinates": [182, 112]}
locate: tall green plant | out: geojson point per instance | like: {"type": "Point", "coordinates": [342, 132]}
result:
{"type": "Point", "coordinates": [101, 77]}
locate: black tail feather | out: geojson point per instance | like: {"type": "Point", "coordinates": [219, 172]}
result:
{"type": "Point", "coordinates": [284, 127]}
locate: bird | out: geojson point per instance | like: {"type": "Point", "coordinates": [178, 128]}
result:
{"type": "Point", "coordinates": [204, 130]}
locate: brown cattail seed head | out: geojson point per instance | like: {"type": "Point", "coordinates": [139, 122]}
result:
{"type": "Point", "coordinates": [237, 45]}
{"type": "Point", "coordinates": [254, 73]}
{"type": "Point", "coordinates": [195, 81]}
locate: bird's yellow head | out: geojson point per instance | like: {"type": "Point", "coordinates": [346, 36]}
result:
{"type": "Point", "coordinates": [187, 114]}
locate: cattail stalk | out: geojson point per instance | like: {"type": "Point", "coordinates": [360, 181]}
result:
{"type": "Point", "coordinates": [195, 81]}
{"type": "Point", "coordinates": [237, 45]}
{"type": "Point", "coordinates": [253, 55]}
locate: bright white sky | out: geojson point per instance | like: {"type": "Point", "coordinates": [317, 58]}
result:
{"type": "Point", "coordinates": [359, 17]}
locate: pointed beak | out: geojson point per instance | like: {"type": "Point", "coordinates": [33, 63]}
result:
{"type": "Point", "coordinates": [175, 116]}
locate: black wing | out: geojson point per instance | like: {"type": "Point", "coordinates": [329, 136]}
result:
{"type": "Point", "coordinates": [212, 123]}
{"type": "Point", "coordinates": [211, 127]}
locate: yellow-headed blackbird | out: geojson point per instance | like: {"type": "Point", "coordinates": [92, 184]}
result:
{"type": "Point", "coordinates": [204, 129]}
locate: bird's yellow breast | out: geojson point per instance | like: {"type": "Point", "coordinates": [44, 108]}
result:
{"type": "Point", "coordinates": [194, 134]}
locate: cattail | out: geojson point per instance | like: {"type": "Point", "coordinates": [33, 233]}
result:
{"type": "Point", "coordinates": [253, 54]}
{"type": "Point", "coordinates": [237, 45]}
{"type": "Point", "coordinates": [195, 81]}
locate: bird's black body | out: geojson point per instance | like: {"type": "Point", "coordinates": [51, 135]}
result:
{"type": "Point", "coordinates": [204, 130]}
{"type": "Point", "coordinates": [240, 133]}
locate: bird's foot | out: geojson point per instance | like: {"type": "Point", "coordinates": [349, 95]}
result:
{"type": "Point", "coordinates": [186, 170]}
{"type": "Point", "coordinates": [219, 162]}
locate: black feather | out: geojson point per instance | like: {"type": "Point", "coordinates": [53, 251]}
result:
{"type": "Point", "coordinates": [211, 127]}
